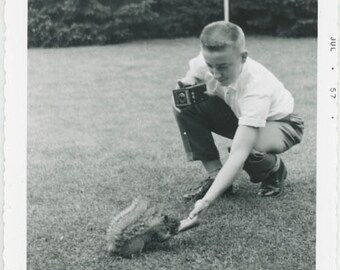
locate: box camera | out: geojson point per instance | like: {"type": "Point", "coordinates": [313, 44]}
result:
{"type": "Point", "coordinates": [189, 95]}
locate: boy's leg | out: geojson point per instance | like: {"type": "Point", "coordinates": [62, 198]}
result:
{"type": "Point", "coordinates": [267, 169]}
{"type": "Point", "coordinates": [279, 136]}
{"type": "Point", "coordinates": [263, 165]}
{"type": "Point", "coordinates": [196, 124]}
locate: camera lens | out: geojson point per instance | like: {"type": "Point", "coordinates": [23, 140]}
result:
{"type": "Point", "coordinates": [181, 97]}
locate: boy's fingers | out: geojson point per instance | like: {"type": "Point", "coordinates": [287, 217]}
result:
{"type": "Point", "coordinates": [174, 105]}
{"type": "Point", "coordinates": [193, 214]}
{"type": "Point", "coordinates": [187, 224]}
{"type": "Point", "coordinates": [180, 84]}
{"type": "Point", "coordinates": [208, 93]}
{"type": "Point", "coordinates": [200, 206]}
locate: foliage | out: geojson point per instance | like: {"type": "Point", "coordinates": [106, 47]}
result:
{"type": "Point", "coordinates": [277, 17]}
{"type": "Point", "coordinates": [185, 18]}
{"type": "Point", "coordinates": [86, 22]}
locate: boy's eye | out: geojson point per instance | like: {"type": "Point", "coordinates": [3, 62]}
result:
{"type": "Point", "coordinates": [218, 67]}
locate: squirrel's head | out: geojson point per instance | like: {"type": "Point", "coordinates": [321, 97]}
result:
{"type": "Point", "coordinates": [166, 228]}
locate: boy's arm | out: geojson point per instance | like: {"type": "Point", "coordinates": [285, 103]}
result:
{"type": "Point", "coordinates": [196, 72]}
{"type": "Point", "coordinates": [243, 143]}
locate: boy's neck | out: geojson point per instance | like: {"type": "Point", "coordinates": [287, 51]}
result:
{"type": "Point", "coordinates": [238, 76]}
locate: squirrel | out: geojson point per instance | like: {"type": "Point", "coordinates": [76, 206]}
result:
{"type": "Point", "coordinates": [138, 225]}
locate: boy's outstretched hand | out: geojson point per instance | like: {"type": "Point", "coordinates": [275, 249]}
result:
{"type": "Point", "coordinates": [199, 210]}
{"type": "Point", "coordinates": [193, 219]}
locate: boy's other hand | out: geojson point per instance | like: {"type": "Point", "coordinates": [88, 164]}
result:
{"type": "Point", "coordinates": [174, 105]}
{"type": "Point", "coordinates": [180, 85]}
{"type": "Point", "coordinates": [219, 92]}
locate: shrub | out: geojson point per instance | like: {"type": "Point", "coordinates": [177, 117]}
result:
{"type": "Point", "coordinates": [86, 22]}
{"type": "Point", "coordinates": [276, 17]}
{"type": "Point", "coordinates": [185, 18]}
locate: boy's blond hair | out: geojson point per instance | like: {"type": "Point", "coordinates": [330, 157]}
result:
{"type": "Point", "coordinates": [219, 35]}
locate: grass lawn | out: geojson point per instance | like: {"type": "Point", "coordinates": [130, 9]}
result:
{"type": "Point", "coordinates": [101, 132]}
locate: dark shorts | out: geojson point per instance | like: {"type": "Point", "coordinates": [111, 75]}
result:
{"type": "Point", "coordinates": [197, 122]}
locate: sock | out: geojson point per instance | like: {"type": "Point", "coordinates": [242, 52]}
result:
{"type": "Point", "coordinates": [212, 167]}
{"type": "Point", "coordinates": [277, 164]}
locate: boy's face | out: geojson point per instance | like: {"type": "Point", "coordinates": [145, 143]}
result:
{"type": "Point", "coordinates": [225, 65]}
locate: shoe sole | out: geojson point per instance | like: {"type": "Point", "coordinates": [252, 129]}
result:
{"type": "Point", "coordinates": [199, 195]}
{"type": "Point", "coordinates": [282, 176]}
{"type": "Point", "coordinates": [188, 197]}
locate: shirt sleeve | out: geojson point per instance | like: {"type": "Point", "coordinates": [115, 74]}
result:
{"type": "Point", "coordinates": [197, 70]}
{"type": "Point", "coordinates": [254, 110]}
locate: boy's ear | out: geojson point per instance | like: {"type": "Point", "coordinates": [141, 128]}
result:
{"type": "Point", "coordinates": [244, 56]}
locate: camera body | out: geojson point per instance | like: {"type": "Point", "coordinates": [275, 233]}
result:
{"type": "Point", "coordinates": [189, 95]}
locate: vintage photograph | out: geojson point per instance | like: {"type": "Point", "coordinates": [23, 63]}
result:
{"type": "Point", "coordinates": [171, 134]}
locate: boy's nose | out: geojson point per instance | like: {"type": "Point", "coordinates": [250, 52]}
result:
{"type": "Point", "coordinates": [216, 74]}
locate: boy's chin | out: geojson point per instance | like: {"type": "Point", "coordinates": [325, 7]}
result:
{"type": "Point", "coordinates": [225, 82]}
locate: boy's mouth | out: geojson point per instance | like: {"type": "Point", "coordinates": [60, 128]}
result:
{"type": "Point", "coordinates": [223, 80]}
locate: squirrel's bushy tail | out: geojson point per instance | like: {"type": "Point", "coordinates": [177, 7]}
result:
{"type": "Point", "coordinates": [123, 220]}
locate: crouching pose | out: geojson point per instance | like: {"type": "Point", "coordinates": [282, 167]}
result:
{"type": "Point", "coordinates": [247, 104]}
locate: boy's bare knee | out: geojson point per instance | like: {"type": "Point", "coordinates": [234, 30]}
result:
{"type": "Point", "coordinates": [274, 148]}
{"type": "Point", "coordinates": [257, 152]}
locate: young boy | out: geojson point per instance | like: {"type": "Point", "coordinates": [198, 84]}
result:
{"type": "Point", "coordinates": [247, 104]}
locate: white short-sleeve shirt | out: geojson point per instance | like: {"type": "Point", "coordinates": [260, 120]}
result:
{"type": "Point", "coordinates": [255, 97]}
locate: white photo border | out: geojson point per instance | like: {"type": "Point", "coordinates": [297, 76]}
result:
{"type": "Point", "coordinates": [15, 136]}
{"type": "Point", "coordinates": [327, 136]}
{"type": "Point", "coordinates": [2, 82]}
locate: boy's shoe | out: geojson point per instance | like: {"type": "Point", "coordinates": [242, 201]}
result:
{"type": "Point", "coordinates": [199, 192]}
{"type": "Point", "coordinates": [273, 186]}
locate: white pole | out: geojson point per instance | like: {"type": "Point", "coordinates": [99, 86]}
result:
{"type": "Point", "coordinates": [226, 10]}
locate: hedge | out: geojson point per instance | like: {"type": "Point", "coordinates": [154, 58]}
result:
{"type": "Point", "coordinates": [88, 22]}
{"type": "Point", "coordinates": [85, 22]}
{"type": "Point", "coordinates": [292, 18]}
